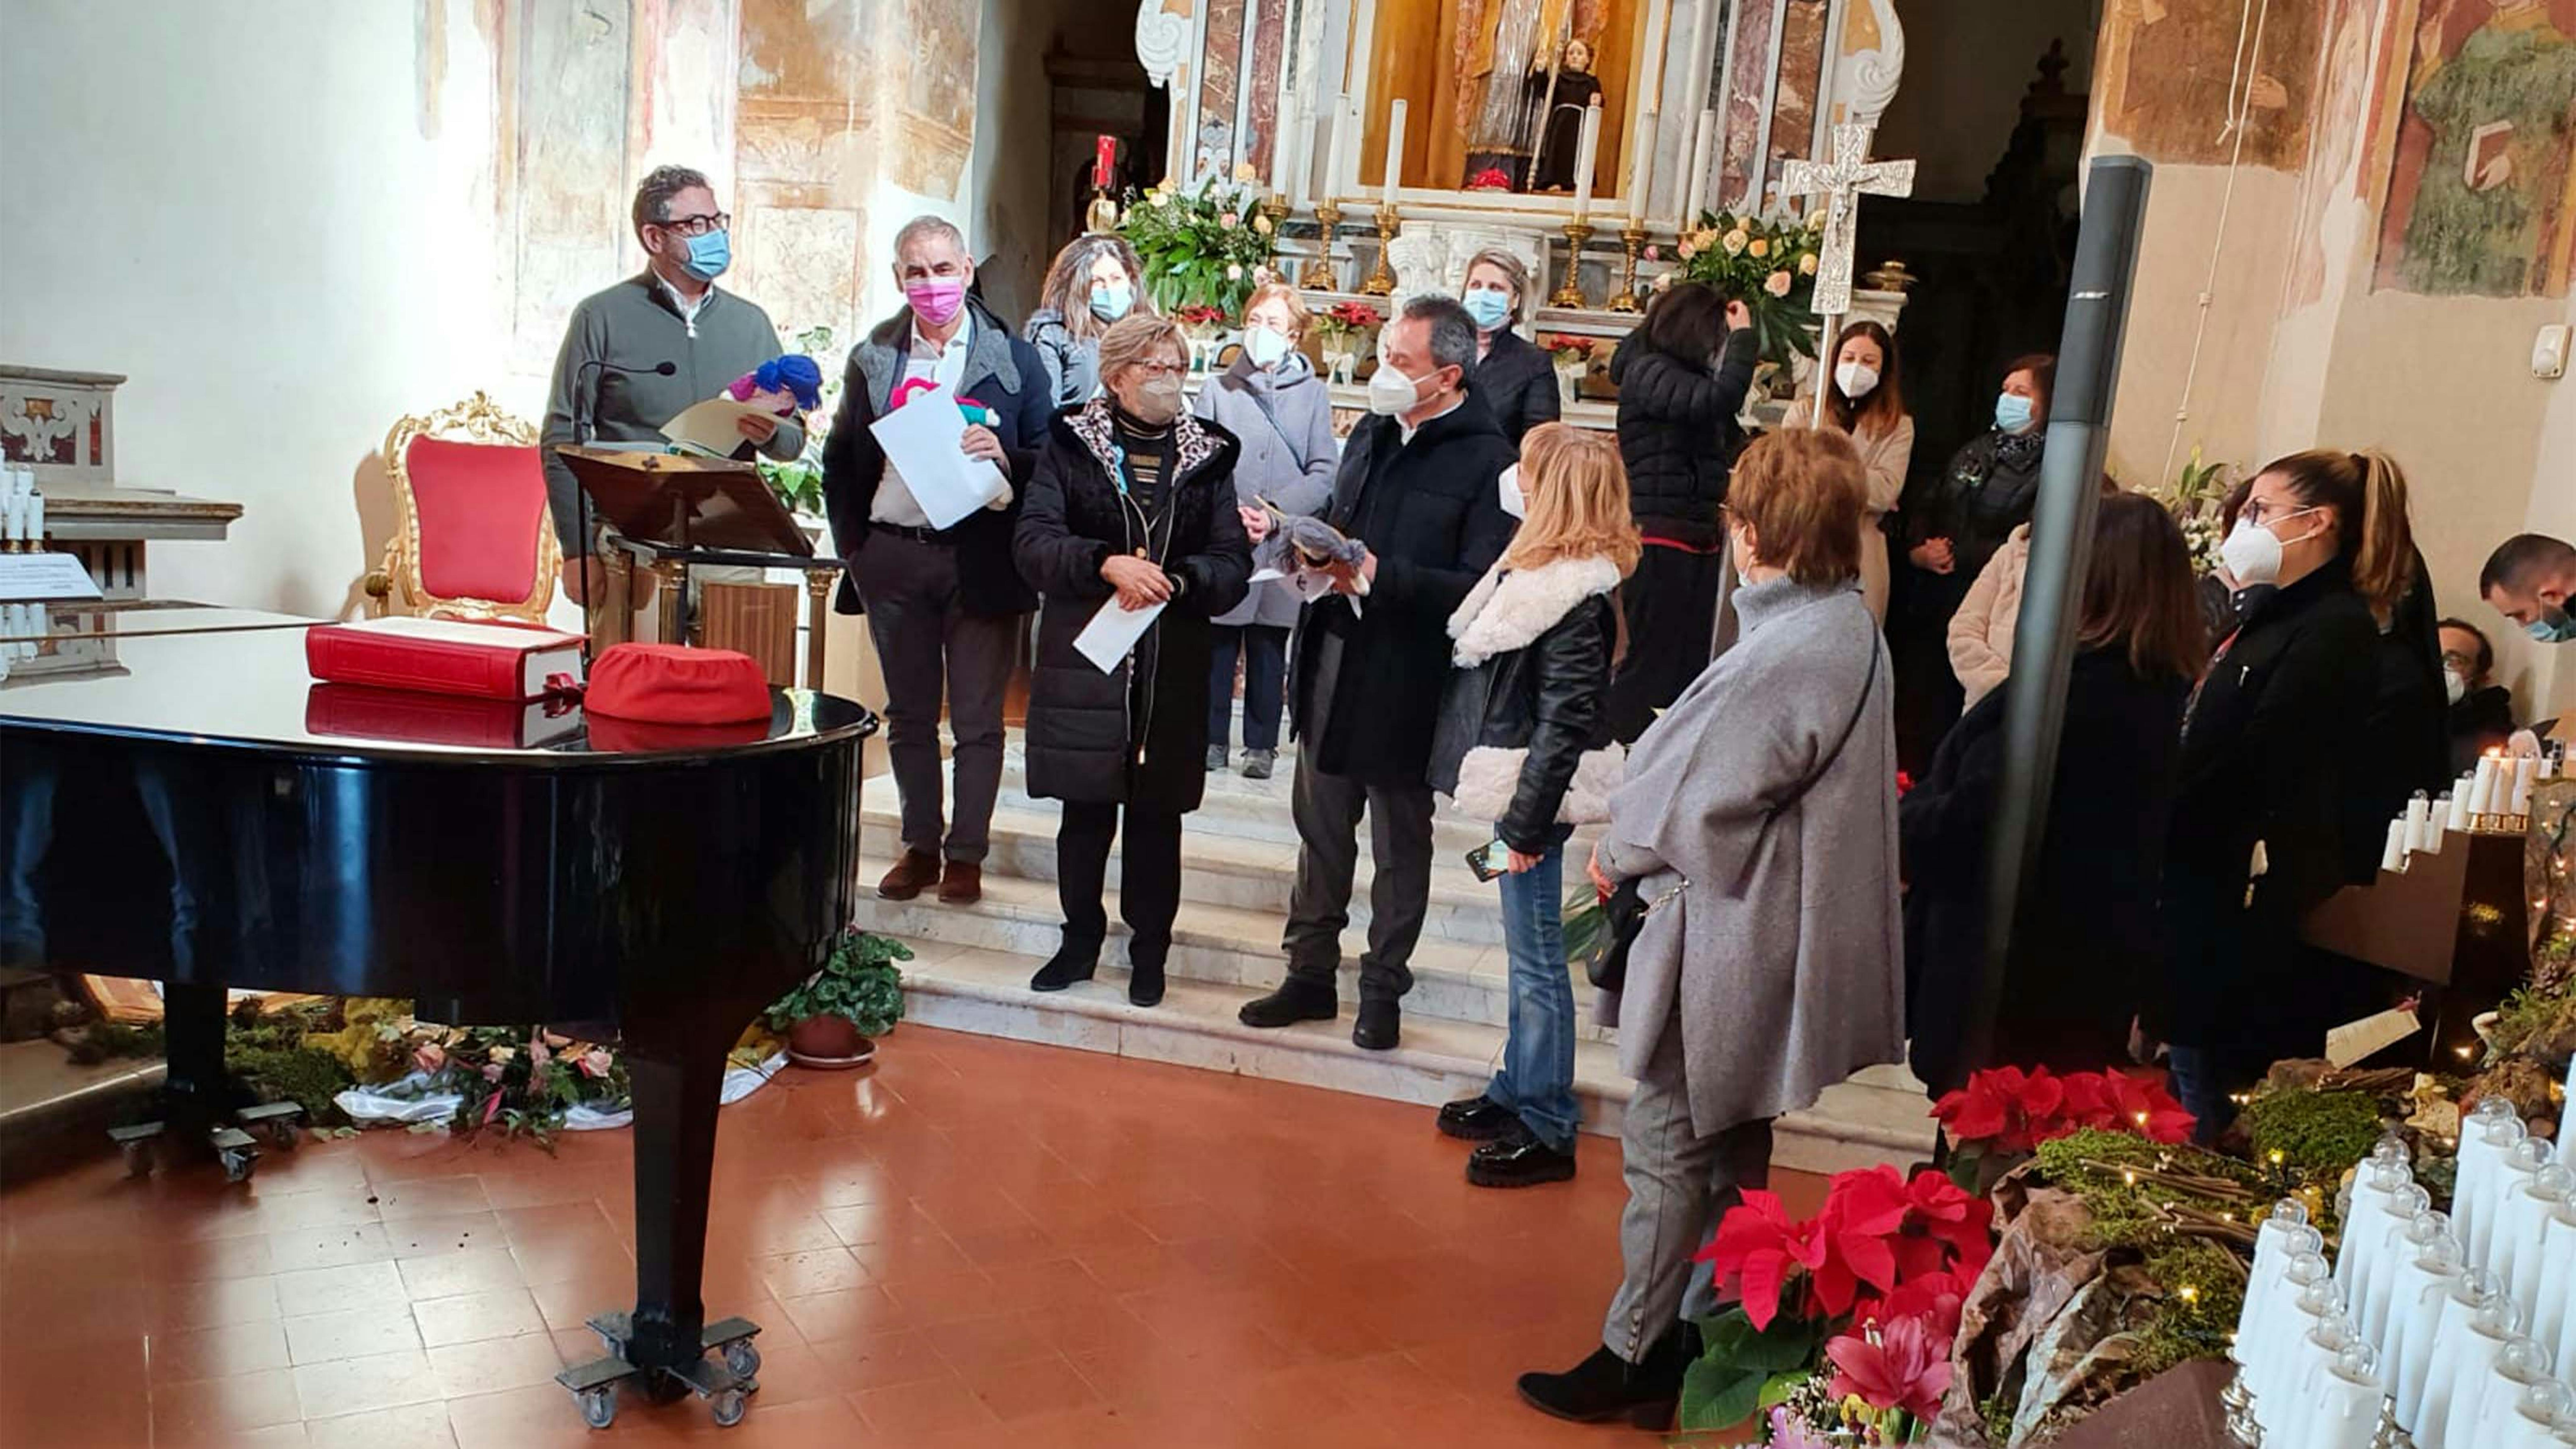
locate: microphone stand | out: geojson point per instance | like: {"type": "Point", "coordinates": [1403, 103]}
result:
{"type": "Point", "coordinates": [585, 427]}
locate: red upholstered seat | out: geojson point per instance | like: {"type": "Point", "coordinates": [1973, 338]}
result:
{"type": "Point", "coordinates": [482, 511]}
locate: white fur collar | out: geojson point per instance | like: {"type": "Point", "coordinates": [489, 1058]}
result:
{"type": "Point", "coordinates": [1508, 609]}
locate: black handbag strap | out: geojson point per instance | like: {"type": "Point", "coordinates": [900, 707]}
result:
{"type": "Point", "coordinates": [1779, 807]}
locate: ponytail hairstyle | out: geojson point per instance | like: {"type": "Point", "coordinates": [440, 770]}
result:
{"type": "Point", "coordinates": [2368, 495]}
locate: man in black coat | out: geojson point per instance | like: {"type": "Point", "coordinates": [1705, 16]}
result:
{"type": "Point", "coordinates": [943, 605]}
{"type": "Point", "coordinates": [1419, 485]}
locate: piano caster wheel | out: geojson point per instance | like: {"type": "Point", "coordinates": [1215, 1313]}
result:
{"type": "Point", "coordinates": [728, 1408]}
{"type": "Point", "coordinates": [599, 1407]}
{"type": "Point", "coordinates": [238, 1163]}
{"type": "Point", "coordinates": [744, 1360]}
{"type": "Point", "coordinates": [279, 1121]}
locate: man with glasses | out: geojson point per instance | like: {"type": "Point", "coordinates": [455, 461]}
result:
{"type": "Point", "coordinates": [648, 348]}
{"type": "Point", "coordinates": [946, 607]}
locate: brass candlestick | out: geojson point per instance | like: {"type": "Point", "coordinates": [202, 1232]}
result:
{"type": "Point", "coordinates": [1102, 214]}
{"type": "Point", "coordinates": [1381, 277]}
{"type": "Point", "coordinates": [1632, 240]}
{"type": "Point", "coordinates": [1570, 296]}
{"type": "Point", "coordinates": [1274, 209]}
{"type": "Point", "coordinates": [1318, 275]}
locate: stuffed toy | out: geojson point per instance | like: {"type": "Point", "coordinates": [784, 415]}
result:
{"type": "Point", "coordinates": [789, 385]}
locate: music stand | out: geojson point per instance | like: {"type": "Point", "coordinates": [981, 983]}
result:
{"type": "Point", "coordinates": [684, 509]}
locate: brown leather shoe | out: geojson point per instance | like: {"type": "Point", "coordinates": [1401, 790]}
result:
{"type": "Point", "coordinates": [915, 873]}
{"type": "Point", "coordinates": [963, 885]}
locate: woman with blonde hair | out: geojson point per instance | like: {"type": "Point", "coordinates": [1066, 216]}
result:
{"type": "Point", "coordinates": [1524, 741]}
{"type": "Point", "coordinates": [1093, 282]}
{"type": "Point", "coordinates": [1757, 821]}
{"type": "Point", "coordinates": [1274, 401]}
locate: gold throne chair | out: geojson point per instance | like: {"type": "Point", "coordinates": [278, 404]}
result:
{"type": "Point", "coordinates": [473, 537]}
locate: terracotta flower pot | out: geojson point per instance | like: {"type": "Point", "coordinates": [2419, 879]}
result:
{"type": "Point", "coordinates": [828, 1043]}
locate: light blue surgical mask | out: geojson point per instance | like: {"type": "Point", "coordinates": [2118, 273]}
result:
{"type": "Point", "coordinates": [1110, 300]}
{"type": "Point", "coordinates": [709, 255]}
{"type": "Point", "coordinates": [2012, 412]}
{"type": "Point", "coordinates": [2556, 626]}
{"type": "Point", "coordinates": [1490, 309]}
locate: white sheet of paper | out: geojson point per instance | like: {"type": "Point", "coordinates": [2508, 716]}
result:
{"type": "Point", "coordinates": [1263, 576]}
{"type": "Point", "coordinates": [44, 576]}
{"type": "Point", "coordinates": [1112, 632]}
{"type": "Point", "coordinates": [922, 440]}
{"type": "Point", "coordinates": [710, 424]}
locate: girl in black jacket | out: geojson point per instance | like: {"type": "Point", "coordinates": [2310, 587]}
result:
{"type": "Point", "coordinates": [1524, 739]}
{"type": "Point", "coordinates": [2271, 744]}
{"type": "Point", "coordinates": [2140, 644]}
{"type": "Point", "coordinates": [1133, 500]}
{"type": "Point", "coordinates": [1682, 377]}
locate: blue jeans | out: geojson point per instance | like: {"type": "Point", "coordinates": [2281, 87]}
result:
{"type": "Point", "coordinates": [2203, 1082]}
{"type": "Point", "coordinates": [1537, 1076]}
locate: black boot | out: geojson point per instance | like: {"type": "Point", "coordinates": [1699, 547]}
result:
{"type": "Point", "coordinates": [1145, 972]}
{"type": "Point", "coordinates": [1073, 961]}
{"type": "Point", "coordinates": [1477, 1119]}
{"type": "Point", "coordinates": [1296, 1000]}
{"type": "Point", "coordinates": [1606, 1386]}
{"type": "Point", "coordinates": [1518, 1160]}
{"type": "Point", "coordinates": [1379, 1028]}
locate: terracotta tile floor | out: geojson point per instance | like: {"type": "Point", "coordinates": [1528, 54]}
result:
{"type": "Point", "coordinates": [978, 1242]}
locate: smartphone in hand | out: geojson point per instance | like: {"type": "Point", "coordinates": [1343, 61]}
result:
{"type": "Point", "coordinates": [1490, 860]}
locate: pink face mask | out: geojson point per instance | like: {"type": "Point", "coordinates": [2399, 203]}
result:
{"type": "Point", "coordinates": [936, 300]}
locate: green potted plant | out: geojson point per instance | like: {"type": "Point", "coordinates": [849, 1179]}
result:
{"type": "Point", "coordinates": [830, 1018]}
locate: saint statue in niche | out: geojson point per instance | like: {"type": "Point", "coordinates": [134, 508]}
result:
{"type": "Point", "coordinates": [1503, 52]}
{"type": "Point", "coordinates": [1560, 138]}
{"type": "Point", "coordinates": [2493, 114]}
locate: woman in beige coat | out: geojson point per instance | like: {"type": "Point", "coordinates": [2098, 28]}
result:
{"type": "Point", "coordinates": [1864, 402]}
{"type": "Point", "coordinates": [1981, 633]}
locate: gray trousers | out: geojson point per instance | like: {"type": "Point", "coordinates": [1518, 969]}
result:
{"type": "Point", "coordinates": [927, 644]}
{"type": "Point", "coordinates": [1327, 811]}
{"type": "Point", "coordinates": [1679, 1185]}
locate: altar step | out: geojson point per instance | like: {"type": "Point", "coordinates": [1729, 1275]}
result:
{"type": "Point", "coordinates": [1868, 1120]}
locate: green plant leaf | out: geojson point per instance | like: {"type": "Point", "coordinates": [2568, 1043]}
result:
{"type": "Point", "coordinates": [1718, 1396]}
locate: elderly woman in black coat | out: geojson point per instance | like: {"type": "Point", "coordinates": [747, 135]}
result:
{"type": "Point", "coordinates": [1682, 377]}
{"type": "Point", "coordinates": [1516, 380]}
{"type": "Point", "coordinates": [1131, 508]}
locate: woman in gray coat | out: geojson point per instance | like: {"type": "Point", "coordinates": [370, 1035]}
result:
{"type": "Point", "coordinates": [1272, 400]}
{"type": "Point", "coordinates": [1758, 818]}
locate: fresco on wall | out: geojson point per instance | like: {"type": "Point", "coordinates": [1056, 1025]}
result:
{"type": "Point", "coordinates": [2345, 83]}
{"type": "Point", "coordinates": [2168, 68]}
{"type": "Point", "coordinates": [565, 180]}
{"type": "Point", "coordinates": [2479, 192]}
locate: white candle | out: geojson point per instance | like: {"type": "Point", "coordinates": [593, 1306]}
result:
{"type": "Point", "coordinates": [2459, 798]}
{"type": "Point", "coordinates": [1641, 169]}
{"type": "Point", "coordinates": [2486, 1136]}
{"type": "Point", "coordinates": [1650, 71]}
{"type": "Point", "coordinates": [2482, 792]}
{"type": "Point", "coordinates": [2420, 834]}
{"type": "Point", "coordinates": [1394, 150]}
{"type": "Point", "coordinates": [1279, 133]}
{"type": "Point", "coordinates": [1337, 166]}
{"type": "Point", "coordinates": [1703, 136]}
{"type": "Point", "coordinates": [2393, 857]}
{"type": "Point", "coordinates": [13, 518]}
{"type": "Point", "coordinates": [36, 519]}
{"type": "Point", "coordinates": [2438, 821]}
{"type": "Point", "coordinates": [2464, 1352]}
{"type": "Point", "coordinates": [2526, 772]}
{"type": "Point", "coordinates": [1586, 152]}
{"type": "Point", "coordinates": [2414, 1319]}
{"type": "Point", "coordinates": [2346, 1414]}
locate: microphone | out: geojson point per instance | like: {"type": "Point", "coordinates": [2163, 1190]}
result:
{"type": "Point", "coordinates": [586, 422]}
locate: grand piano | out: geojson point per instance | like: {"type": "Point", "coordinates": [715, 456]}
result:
{"type": "Point", "coordinates": [202, 813]}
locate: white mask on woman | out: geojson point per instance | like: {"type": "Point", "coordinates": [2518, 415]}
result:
{"type": "Point", "coordinates": [1856, 379]}
{"type": "Point", "coordinates": [2252, 553]}
{"type": "Point", "coordinates": [1265, 347]}
{"type": "Point", "coordinates": [2454, 684]}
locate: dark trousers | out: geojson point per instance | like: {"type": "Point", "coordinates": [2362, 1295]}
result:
{"type": "Point", "coordinates": [928, 645]}
{"type": "Point", "coordinates": [1149, 875]}
{"type": "Point", "coordinates": [1265, 669]}
{"type": "Point", "coordinates": [1327, 809]}
{"type": "Point", "coordinates": [1670, 604]}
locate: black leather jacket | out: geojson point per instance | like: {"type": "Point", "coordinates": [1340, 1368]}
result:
{"type": "Point", "coordinates": [1550, 698]}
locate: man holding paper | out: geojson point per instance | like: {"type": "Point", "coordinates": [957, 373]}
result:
{"type": "Point", "coordinates": [1133, 535]}
{"type": "Point", "coordinates": [651, 347]}
{"type": "Point", "coordinates": [922, 506]}
{"type": "Point", "coordinates": [1420, 486]}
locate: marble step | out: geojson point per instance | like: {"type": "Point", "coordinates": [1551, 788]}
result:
{"type": "Point", "coordinates": [1860, 1123]}
{"type": "Point", "coordinates": [1218, 869]}
{"type": "Point", "coordinates": [1259, 809]}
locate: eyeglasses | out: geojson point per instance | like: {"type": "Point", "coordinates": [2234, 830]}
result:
{"type": "Point", "coordinates": [2258, 512]}
{"type": "Point", "coordinates": [1161, 369]}
{"type": "Point", "coordinates": [698, 225]}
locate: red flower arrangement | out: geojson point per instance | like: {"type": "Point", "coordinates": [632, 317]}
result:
{"type": "Point", "coordinates": [1567, 348]}
{"type": "Point", "coordinates": [2004, 1109]}
{"type": "Point", "coordinates": [1875, 1229]}
{"type": "Point", "coordinates": [1492, 178]}
{"type": "Point", "coordinates": [1201, 316]}
{"type": "Point", "coordinates": [1903, 1364]}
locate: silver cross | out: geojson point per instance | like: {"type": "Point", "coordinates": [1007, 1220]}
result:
{"type": "Point", "coordinates": [1842, 182]}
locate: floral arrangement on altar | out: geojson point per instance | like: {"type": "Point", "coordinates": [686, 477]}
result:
{"type": "Point", "coordinates": [1343, 319]}
{"type": "Point", "coordinates": [2003, 1113]}
{"type": "Point", "coordinates": [1492, 178]}
{"type": "Point", "coordinates": [1567, 350]}
{"type": "Point", "coordinates": [2195, 498]}
{"type": "Point", "coordinates": [1202, 244]}
{"type": "Point", "coordinates": [1768, 265]}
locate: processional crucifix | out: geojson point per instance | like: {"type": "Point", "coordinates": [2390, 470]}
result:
{"type": "Point", "coordinates": [1842, 182]}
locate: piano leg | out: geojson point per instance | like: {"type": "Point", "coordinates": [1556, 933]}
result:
{"type": "Point", "coordinates": [197, 1094]}
{"type": "Point", "coordinates": [675, 1093]}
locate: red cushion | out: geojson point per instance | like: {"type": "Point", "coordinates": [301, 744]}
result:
{"type": "Point", "coordinates": [480, 507]}
{"type": "Point", "coordinates": [669, 684]}
{"type": "Point", "coordinates": [612, 736]}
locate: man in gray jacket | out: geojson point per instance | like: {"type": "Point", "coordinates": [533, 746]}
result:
{"type": "Point", "coordinates": [638, 354]}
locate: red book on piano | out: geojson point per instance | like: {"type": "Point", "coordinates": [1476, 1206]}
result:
{"type": "Point", "coordinates": [446, 656]}
{"type": "Point", "coordinates": [364, 712]}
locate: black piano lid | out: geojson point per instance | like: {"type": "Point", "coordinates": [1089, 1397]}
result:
{"type": "Point", "coordinates": [247, 688]}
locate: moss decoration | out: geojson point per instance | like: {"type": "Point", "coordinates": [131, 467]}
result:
{"type": "Point", "coordinates": [2312, 1132]}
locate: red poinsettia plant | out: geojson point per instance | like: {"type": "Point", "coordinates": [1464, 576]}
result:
{"type": "Point", "coordinates": [1566, 348]}
{"type": "Point", "coordinates": [1199, 316]}
{"type": "Point", "coordinates": [2008, 1110]}
{"type": "Point", "coordinates": [1492, 178]}
{"type": "Point", "coordinates": [1871, 1284]}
